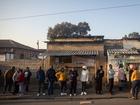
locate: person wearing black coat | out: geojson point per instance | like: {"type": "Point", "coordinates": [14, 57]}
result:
{"type": "Point", "coordinates": [99, 76]}
{"type": "Point", "coordinates": [50, 74]}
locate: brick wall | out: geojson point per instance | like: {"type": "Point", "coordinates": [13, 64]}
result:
{"type": "Point", "coordinates": [33, 64]}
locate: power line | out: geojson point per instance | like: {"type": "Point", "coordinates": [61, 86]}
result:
{"type": "Point", "coordinates": [70, 12]}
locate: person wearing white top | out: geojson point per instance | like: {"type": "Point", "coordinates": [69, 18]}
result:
{"type": "Point", "coordinates": [15, 80]}
{"type": "Point", "coordinates": [121, 77]}
{"type": "Point", "coordinates": [84, 79]}
{"type": "Point", "coordinates": [111, 73]}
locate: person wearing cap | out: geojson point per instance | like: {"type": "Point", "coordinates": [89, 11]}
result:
{"type": "Point", "coordinates": [84, 79]}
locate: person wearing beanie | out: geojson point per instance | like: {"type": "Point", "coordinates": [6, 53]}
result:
{"type": "Point", "coordinates": [84, 79]}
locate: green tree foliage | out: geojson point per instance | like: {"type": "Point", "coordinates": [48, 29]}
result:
{"type": "Point", "coordinates": [83, 27]}
{"type": "Point", "coordinates": [66, 29]}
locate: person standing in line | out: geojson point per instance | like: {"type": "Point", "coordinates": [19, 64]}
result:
{"type": "Point", "coordinates": [50, 74]}
{"type": "Point", "coordinates": [121, 77]}
{"type": "Point", "coordinates": [1, 80]}
{"type": "Point", "coordinates": [84, 79]}
{"type": "Point", "coordinates": [16, 82]}
{"type": "Point", "coordinates": [61, 77]}
{"type": "Point", "coordinates": [73, 81]}
{"type": "Point", "coordinates": [40, 75]}
{"type": "Point", "coordinates": [21, 80]}
{"type": "Point", "coordinates": [8, 79]}
{"type": "Point", "coordinates": [27, 74]}
{"type": "Point", "coordinates": [111, 74]}
{"type": "Point", "coordinates": [99, 76]}
{"type": "Point", "coordinates": [131, 69]}
{"type": "Point", "coordinates": [135, 78]}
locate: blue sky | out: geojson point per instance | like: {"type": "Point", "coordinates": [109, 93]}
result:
{"type": "Point", "coordinates": [112, 23]}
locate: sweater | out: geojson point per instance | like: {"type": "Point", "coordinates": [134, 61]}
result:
{"type": "Point", "coordinates": [61, 76]}
{"type": "Point", "coordinates": [135, 75]}
{"type": "Point", "coordinates": [111, 73]}
{"type": "Point", "coordinates": [84, 75]}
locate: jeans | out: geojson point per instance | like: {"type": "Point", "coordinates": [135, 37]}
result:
{"type": "Point", "coordinates": [63, 87]}
{"type": "Point", "coordinates": [41, 86]}
{"type": "Point", "coordinates": [21, 87]}
{"type": "Point", "coordinates": [111, 85]}
{"type": "Point", "coordinates": [135, 88]}
{"type": "Point", "coordinates": [50, 87]}
{"type": "Point", "coordinates": [8, 84]}
{"type": "Point", "coordinates": [83, 86]}
{"type": "Point", "coordinates": [73, 86]}
{"type": "Point", "coordinates": [16, 87]}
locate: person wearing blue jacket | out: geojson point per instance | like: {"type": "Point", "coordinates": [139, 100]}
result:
{"type": "Point", "coordinates": [40, 75]}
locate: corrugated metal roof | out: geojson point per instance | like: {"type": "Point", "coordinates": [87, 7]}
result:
{"type": "Point", "coordinates": [13, 44]}
{"type": "Point", "coordinates": [71, 52]}
{"type": "Point", "coordinates": [122, 51]}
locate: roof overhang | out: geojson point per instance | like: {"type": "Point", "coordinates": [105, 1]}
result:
{"type": "Point", "coordinates": [71, 52]}
{"type": "Point", "coordinates": [123, 51]}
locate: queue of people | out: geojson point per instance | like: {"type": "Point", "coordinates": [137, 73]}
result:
{"type": "Point", "coordinates": [16, 81]}
{"type": "Point", "coordinates": [19, 80]}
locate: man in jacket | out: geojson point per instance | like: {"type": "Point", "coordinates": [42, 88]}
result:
{"type": "Point", "coordinates": [73, 81]}
{"type": "Point", "coordinates": [8, 79]}
{"type": "Point", "coordinates": [40, 75]}
{"type": "Point", "coordinates": [99, 76]}
{"type": "Point", "coordinates": [27, 74]}
{"type": "Point", "coordinates": [50, 74]}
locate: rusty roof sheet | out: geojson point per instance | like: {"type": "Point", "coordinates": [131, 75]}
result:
{"type": "Point", "coordinates": [122, 51]}
{"type": "Point", "coordinates": [13, 44]}
{"type": "Point", "coordinates": [71, 52]}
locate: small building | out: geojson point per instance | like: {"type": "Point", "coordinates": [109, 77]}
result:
{"type": "Point", "coordinates": [77, 51]}
{"type": "Point", "coordinates": [125, 57]}
{"type": "Point", "coordinates": [10, 49]}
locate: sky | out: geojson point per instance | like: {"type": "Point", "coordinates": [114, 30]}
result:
{"type": "Point", "coordinates": [27, 21]}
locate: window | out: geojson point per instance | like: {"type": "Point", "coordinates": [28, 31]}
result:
{"type": "Point", "coordinates": [65, 59]}
{"type": "Point", "coordinates": [21, 56]}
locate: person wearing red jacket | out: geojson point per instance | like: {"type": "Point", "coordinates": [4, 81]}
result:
{"type": "Point", "coordinates": [21, 80]}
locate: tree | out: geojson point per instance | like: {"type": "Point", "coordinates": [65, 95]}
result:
{"type": "Point", "coordinates": [83, 28]}
{"type": "Point", "coordinates": [66, 29]}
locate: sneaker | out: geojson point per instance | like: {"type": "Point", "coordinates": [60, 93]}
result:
{"type": "Point", "coordinates": [82, 93]}
{"type": "Point", "coordinates": [70, 95]}
{"type": "Point", "coordinates": [85, 93]}
{"type": "Point", "coordinates": [61, 94]}
{"type": "Point", "coordinates": [132, 98]}
{"type": "Point", "coordinates": [44, 94]}
{"type": "Point", "coordinates": [38, 94]}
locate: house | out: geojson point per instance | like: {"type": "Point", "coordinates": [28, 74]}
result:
{"type": "Point", "coordinates": [125, 57]}
{"type": "Point", "coordinates": [76, 51]}
{"type": "Point", "coordinates": [10, 49]}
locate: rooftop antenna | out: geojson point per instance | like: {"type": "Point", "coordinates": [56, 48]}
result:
{"type": "Point", "coordinates": [37, 44]}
